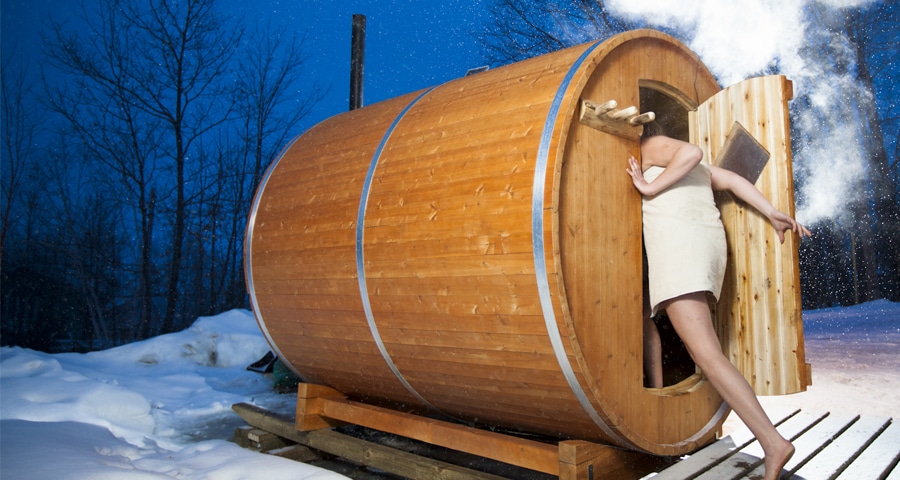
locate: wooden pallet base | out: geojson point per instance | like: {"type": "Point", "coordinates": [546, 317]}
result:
{"type": "Point", "coordinates": [322, 407]}
{"type": "Point", "coordinates": [319, 409]}
{"type": "Point", "coordinates": [312, 447]}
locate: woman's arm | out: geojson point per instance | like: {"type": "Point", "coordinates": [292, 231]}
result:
{"type": "Point", "coordinates": [723, 179]}
{"type": "Point", "coordinates": [677, 157]}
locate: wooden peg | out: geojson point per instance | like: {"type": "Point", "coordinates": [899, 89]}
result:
{"type": "Point", "coordinates": [642, 119]}
{"type": "Point", "coordinates": [623, 114]}
{"type": "Point", "coordinates": [603, 108]}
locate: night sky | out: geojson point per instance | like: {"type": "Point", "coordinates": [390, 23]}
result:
{"type": "Point", "coordinates": [410, 45]}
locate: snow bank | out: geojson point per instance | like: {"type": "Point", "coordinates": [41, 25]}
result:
{"type": "Point", "coordinates": [158, 408]}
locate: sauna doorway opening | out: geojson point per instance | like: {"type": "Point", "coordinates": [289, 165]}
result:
{"type": "Point", "coordinates": [671, 108]}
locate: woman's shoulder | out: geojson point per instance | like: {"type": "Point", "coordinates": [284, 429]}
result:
{"type": "Point", "coordinates": [662, 141]}
{"type": "Point", "coordinates": [659, 150]}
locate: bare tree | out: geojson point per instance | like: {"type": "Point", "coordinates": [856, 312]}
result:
{"type": "Point", "coordinates": [521, 29]}
{"type": "Point", "coordinates": [273, 96]}
{"type": "Point", "coordinates": [186, 55]}
{"type": "Point", "coordinates": [21, 126]}
{"type": "Point", "coordinates": [168, 121]}
{"type": "Point", "coordinates": [90, 251]}
{"type": "Point", "coordinates": [150, 84]}
{"type": "Point", "coordinates": [25, 318]}
{"type": "Point", "coordinates": [872, 32]}
{"type": "Point", "coordinates": [856, 44]}
{"type": "Point", "coordinates": [100, 103]}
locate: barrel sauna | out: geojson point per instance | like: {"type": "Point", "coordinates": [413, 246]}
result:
{"type": "Point", "coordinates": [473, 250]}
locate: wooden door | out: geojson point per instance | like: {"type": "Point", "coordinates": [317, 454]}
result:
{"type": "Point", "coordinates": [745, 128]}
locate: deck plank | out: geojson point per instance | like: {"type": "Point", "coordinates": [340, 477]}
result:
{"type": "Point", "coordinates": [895, 473]}
{"type": "Point", "coordinates": [712, 455]}
{"type": "Point", "coordinates": [829, 446]}
{"type": "Point", "coordinates": [843, 450]}
{"type": "Point", "coordinates": [814, 440]}
{"type": "Point", "coordinates": [751, 456]}
{"type": "Point", "coordinates": [877, 460]}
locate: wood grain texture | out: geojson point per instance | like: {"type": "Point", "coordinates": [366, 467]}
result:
{"type": "Point", "coordinates": [759, 314]}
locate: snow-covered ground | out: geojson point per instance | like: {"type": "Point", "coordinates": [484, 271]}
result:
{"type": "Point", "coordinates": [855, 357]}
{"type": "Point", "coordinates": [161, 408]}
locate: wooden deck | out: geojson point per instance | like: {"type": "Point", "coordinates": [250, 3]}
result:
{"type": "Point", "coordinates": [828, 446]}
{"type": "Point", "coordinates": [832, 446]}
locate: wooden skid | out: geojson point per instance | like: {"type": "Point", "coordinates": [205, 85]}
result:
{"type": "Point", "coordinates": [542, 457]}
{"type": "Point", "coordinates": [356, 450]}
{"type": "Point", "coordinates": [320, 407]}
{"type": "Point", "coordinates": [828, 446]}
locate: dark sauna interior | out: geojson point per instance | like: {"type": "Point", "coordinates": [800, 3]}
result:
{"type": "Point", "coordinates": [671, 109]}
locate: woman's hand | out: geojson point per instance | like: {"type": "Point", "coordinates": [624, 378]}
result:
{"type": "Point", "coordinates": [783, 223]}
{"type": "Point", "coordinates": [677, 159]}
{"type": "Point", "coordinates": [637, 177]}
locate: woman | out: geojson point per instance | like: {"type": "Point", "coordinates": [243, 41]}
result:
{"type": "Point", "coordinates": [686, 253]}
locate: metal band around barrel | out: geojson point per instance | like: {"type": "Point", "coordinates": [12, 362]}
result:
{"type": "Point", "coordinates": [248, 257]}
{"type": "Point", "coordinates": [710, 425]}
{"type": "Point", "coordinates": [540, 262]}
{"type": "Point", "coordinates": [360, 261]}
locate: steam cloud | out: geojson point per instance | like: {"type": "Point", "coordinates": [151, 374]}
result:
{"type": "Point", "coordinates": [745, 38]}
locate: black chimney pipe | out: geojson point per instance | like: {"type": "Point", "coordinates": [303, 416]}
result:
{"type": "Point", "coordinates": [357, 60]}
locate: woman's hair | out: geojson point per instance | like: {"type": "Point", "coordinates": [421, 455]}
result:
{"type": "Point", "coordinates": [652, 129]}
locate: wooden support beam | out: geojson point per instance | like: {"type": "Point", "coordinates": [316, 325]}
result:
{"type": "Point", "coordinates": [309, 407]}
{"type": "Point", "coordinates": [580, 460]}
{"type": "Point", "coordinates": [570, 460]}
{"type": "Point", "coordinates": [359, 451]}
{"type": "Point", "coordinates": [280, 425]}
{"type": "Point", "coordinates": [391, 460]}
{"type": "Point", "coordinates": [297, 453]}
{"type": "Point", "coordinates": [542, 457]}
{"type": "Point", "coordinates": [258, 439]}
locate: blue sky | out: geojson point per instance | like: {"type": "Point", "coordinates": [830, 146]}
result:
{"type": "Point", "coordinates": [410, 44]}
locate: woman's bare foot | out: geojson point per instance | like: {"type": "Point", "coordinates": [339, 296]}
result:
{"type": "Point", "coordinates": [776, 459]}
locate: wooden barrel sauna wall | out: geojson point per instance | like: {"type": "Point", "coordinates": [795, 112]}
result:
{"type": "Point", "coordinates": [474, 251]}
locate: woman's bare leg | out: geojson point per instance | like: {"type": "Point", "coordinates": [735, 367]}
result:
{"type": "Point", "coordinates": [652, 352]}
{"type": "Point", "coordinates": [693, 322]}
{"type": "Point", "coordinates": [652, 343]}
